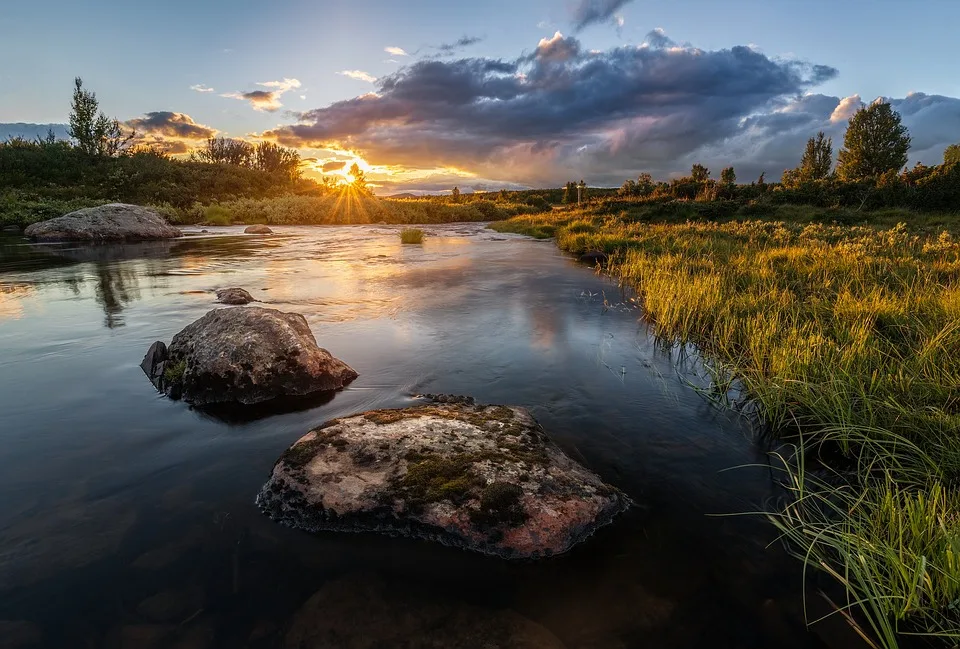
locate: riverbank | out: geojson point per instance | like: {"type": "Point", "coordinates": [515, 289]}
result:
{"type": "Point", "coordinates": [846, 341]}
{"type": "Point", "coordinates": [339, 208]}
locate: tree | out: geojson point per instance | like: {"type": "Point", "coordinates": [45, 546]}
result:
{"type": "Point", "coordinates": [699, 173]}
{"type": "Point", "coordinates": [728, 176]}
{"type": "Point", "coordinates": [455, 195]}
{"type": "Point", "coordinates": [276, 159]}
{"type": "Point", "coordinates": [570, 193]}
{"type": "Point", "coordinates": [645, 184]}
{"type": "Point", "coordinates": [875, 142]}
{"type": "Point", "coordinates": [629, 188]}
{"type": "Point", "coordinates": [95, 133]}
{"type": "Point", "coordinates": [952, 154]}
{"type": "Point", "coordinates": [223, 150]}
{"type": "Point", "coordinates": [817, 158]}
{"type": "Point", "coordinates": [359, 179]}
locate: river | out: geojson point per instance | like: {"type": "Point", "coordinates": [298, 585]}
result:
{"type": "Point", "coordinates": [128, 519]}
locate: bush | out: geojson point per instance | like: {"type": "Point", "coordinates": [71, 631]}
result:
{"type": "Point", "coordinates": [411, 235]}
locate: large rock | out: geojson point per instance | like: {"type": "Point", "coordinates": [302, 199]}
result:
{"type": "Point", "coordinates": [484, 478]}
{"type": "Point", "coordinates": [257, 229]}
{"type": "Point", "coordinates": [364, 612]}
{"type": "Point", "coordinates": [247, 355]}
{"type": "Point", "coordinates": [113, 222]}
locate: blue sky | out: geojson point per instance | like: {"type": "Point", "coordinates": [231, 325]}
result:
{"type": "Point", "coordinates": [144, 57]}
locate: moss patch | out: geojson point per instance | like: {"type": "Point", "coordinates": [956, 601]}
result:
{"type": "Point", "coordinates": [173, 374]}
{"type": "Point", "coordinates": [434, 477]}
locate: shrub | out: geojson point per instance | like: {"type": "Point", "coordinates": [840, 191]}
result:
{"type": "Point", "coordinates": [411, 235]}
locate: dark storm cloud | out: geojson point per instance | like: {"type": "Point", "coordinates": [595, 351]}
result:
{"type": "Point", "coordinates": [335, 165]}
{"type": "Point", "coordinates": [588, 12]}
{"type": "Point", "coordinates": [558, 107]}
{"type": "Point", "coordinates": [171, 124]}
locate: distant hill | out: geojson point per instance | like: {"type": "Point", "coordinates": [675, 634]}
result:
{"type": "Point", "coordinates": [403, 195]}
{"type": "Point", "coordinates": [32, 131]}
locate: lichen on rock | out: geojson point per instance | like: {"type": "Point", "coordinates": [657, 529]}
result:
{"type": "Point", "coordinates": [485, 478]}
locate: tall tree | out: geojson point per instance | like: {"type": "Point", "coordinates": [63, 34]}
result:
{"type": "Point", "coordinates": [699, 173]}
{"type": "Point", "coordinates": [455, 195]}
{"type": "Point", "coordinates": [728, 176]}
{"type": "Point", "coordinates": [875, 143]}
{"type": "Point", "coordinates": [952, 154]}
{"type": "Point", "coordinates": [570, 193]}
{"type": "Point", "coordinates": [276, 159]}
{"type": "Point", "coordinates": [95, 133]}
{"type": "Point", "coordinates": [817, 158]}
{"type": "Point", "coordinates": [359, 179]}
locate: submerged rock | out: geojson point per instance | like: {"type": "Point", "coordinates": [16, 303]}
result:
{"type": "Point", "coordinates": [113, 222]}
{"type": "Point", "coordinates": [247, 355]}
{"type": "Point", "coordinates": [363, 612]}
{"type": "Point", "coordinates": [257, 229]}
{"type": "Point", "coordinates": [234, 296]}
{"type": "Point", "coordinates": [484, 478]}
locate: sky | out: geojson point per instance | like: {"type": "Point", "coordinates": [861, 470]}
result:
{"type": "Point", "coordinates": [425, 95]}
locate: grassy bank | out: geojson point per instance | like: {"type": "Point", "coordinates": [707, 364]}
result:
{"type": "Point", "coordinates": [340, 208]}
{"type": "Point", "coordinates": [847, 340]}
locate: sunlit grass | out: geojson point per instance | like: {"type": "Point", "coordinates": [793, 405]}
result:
{"type": "Point", "coordinates": [411, 235]}
{"type": "Point", "coordinates": [846, 338]}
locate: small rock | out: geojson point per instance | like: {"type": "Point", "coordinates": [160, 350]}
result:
{"type": "Point", "coordinates": [113, 222]}
{"type": "Point", "coordinates": [450, 398]}
{"type": "Point", "coordinates": [204, 231]}
{"type": "Point", "coordinates": [246, 356]}
{"type": "Point", "coordinates": [258, 229]}
{"type": "Point", "coordinates": [483, 478]}
{"type": "Point", "coordinates": [234, 296]}
{"type": "Point", "coordinates": [154, 362]}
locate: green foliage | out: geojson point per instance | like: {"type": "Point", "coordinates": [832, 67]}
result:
{"type": "Point", "coordinates": [174, 373]}
{"type": "Point", "coordinates": [538, 202]}
{"type": "Point", "coordinates": [875, 143]}
{"type": "Point", "coordinates": [728, 176]}
{"type": "Point", "coordinates": [411, 235]}
{"type": "Point", "coordinates": [570, 193]}
{"type": "Point", "coordinates": [217, 215]}
{"type": "Point", "coordinates": [815, 163]}
{"type": "Point", "coordinates": [951, 155]}
{"type": "Point", "coordinates": [95, 133]}
{"type": "Point", "coordinates": [699, 173]}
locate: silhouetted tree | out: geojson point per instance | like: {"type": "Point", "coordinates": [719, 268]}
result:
{"type": "Point", "coordinates": [875, 142]}
{"type": "Point", "coordinates": [359, 179]}
{"type": "Point", "coordinates": [455, 195]}
{"type": "Point", "coordinates": [273, 158]}
{"type": "Point", "coordinates": [223, 150]}
{"type": "Point", "coordinates": [728, 176]}
{"type": "Point", "coordinates": [570, 193]}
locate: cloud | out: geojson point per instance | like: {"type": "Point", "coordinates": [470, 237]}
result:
{"type": "Point", "coordinates": [562, 112]}
{"type": "Point", "coordinates": [559, 110]}
{"type": "Point", "coordinates": [171, 124]}
{"type": "Point", "coordinates": [334, 165]}
{"type": "Point", "coordinates": [359, 75]}
{"type": "Point", "coordinates": [395, 51]}
{"type": "Point", "coordinates": [459, 44]}
{"type": "Point", "coordinates": [588, 12]}
{"type": "Point", "coordinates": [199, 87]}
{"type": "Point", "coordinates": [266, 100]}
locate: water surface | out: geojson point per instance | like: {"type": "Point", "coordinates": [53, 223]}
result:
{"type": "Point", "coordinates": [128, 519]}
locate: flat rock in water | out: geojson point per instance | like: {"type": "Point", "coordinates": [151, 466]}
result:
{"type": "Point", "coordinates": [247, 356]}
{"type": "Point", "coordinates": [113, 222]}
{"type": "Point", "coordinates": [258, 229]}
{"type": "Point", "coordinates": [483, 478]}
{"type": "Point", "coordinates": [234, 296]}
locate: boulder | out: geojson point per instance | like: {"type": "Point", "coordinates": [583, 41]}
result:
{"type": "Point", "coordinates": [247, 356]}
{"type": "Point", "coordinates": [234, 296]}
{"type": "Point", "coordinates": [364, 612]}
{"type": "Point", "coordinates": [113, 222]}
{"type": "Point", "coordinates": [483, 478]}
{"type": "Point", "coordinates": [257, 229]}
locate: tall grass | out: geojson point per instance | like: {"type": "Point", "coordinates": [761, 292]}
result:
{"type": "Point", "coordinates": [847, 340]}
{"type": "Point", "coordinates": [411, 235]}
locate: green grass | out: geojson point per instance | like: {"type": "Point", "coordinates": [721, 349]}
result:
{"type": "Point", "coordinates": [843, 330]}
{"type": "Point", "coordinates": [411, 235]}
